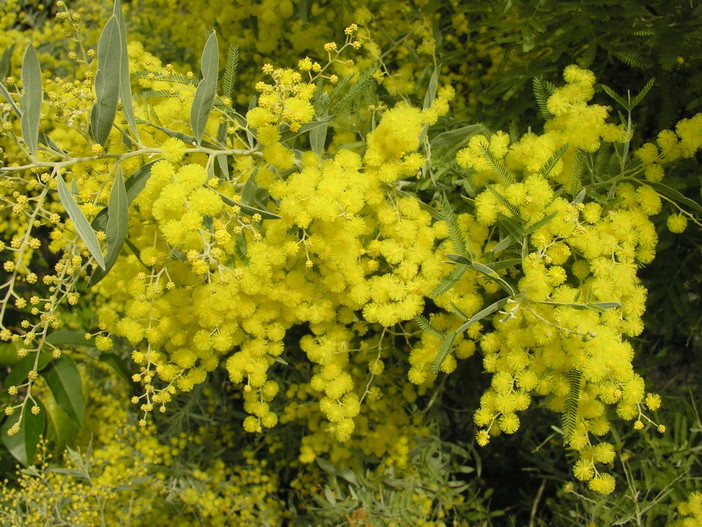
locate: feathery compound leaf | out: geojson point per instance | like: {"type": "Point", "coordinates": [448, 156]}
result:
{"type": "Point", "coordinates": [364, 81]}
{"type": "Point", "coordinates": [639, 96]}
{"type": "Point", "coordinates": [85, 231]}
{"type": "Point", "coordinates": [615, 96]}
{"type": "Point", "coordinates": [444, 350]}
{"type": "Point", "coordinates": [206, 89]}
{"type": "Point", "coordinates": [426, 326]}
{"type": "Point", "coordinates": [555, 158]}
{"type": "Point", "coordinates": [125, 87]}
{"type": "Point", "coordinates": [31, 99]}
{"type": "Point", "coordinates": [230, 70]}
{"type": "Point", "coordinates": [542, 93]}
{"type": "Point", "coordinates": [448, 281]}
{"type": "Point", "coordinates": [107, 82]}
{"type": "Point", "coordinates": [457, 239]}
{"type": "Point", "coordinates": [506, 178]}
{"type": "Point", "coordinates": [675, 195]}
{"type": "Point", "coordinates": [570, 410]}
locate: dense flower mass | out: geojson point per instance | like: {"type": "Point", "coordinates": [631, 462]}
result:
{"type": "Point", "coordinates": [299, 266]}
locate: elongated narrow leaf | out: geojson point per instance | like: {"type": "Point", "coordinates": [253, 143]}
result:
{"type": "Point", "coordinates": [31, 99]}
{"type": "Point", "coordinates": [430, 95]}
{"type": "Point", "coordinates": [595, 306]}
{"type": "Point", "coordinates": [6, 95]}
{"type": "Point", "coordinates": [23, 445]}
{"type": "Point", "coordinates": [125, 87]}
{"type": "Point", "coordinates": [504, 244]}
{"type": "Point", "coordinates": [318, 137]}
{"type": "Point", "coordinates": [5, 62]}
{"type": "Point", "coordinates": [68, 337]}
{"type": "Point", "coordinates": [444, 350]}
{"type": "Point", "coordinates": [482, 314]}
{"type": "Point", "coordinates": [85, 231]}
{"type": "Point", "coordinates": [617, 98]}
{"type": "Point", "coordinates": [492, 274]}
{"type": "Point", "coordinates": [206, 89]}
{"type": "Point", "coordinates": [676, 196]}
{"type": "Point", "coordinates": [63, 380]}
{"type": "Point", "coordinates": [107, 82]}
{"type": "Point", "coordinates": [247, 209]}
{"type": "Point", "coordinates": [18, 373]}
{"type": "Point", "coordinates": [639, 96]}
{"type": "Point", "coordinates": [117, 218]}
{"type": "Point", "coordinates": [551, 162]}
{"type": "Point", "coordinates": [60, 429]}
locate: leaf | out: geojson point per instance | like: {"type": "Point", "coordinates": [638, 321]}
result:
{"type": "Point", "coordinates": [84, 229]}
{"type": "Point", "coordinates": [506, 178]}
{"type": "Point", "coordinates": [6, 95]}
{"type": "Point", "coordinates": [125, 88]}
{"type": "Point", "coordinates": [18, 373]}
{"type": "Point", "coordinates": [67, 337]}
{"type": "Point", "coordinates": [492, 274]}
{"type": "Point", "coordinates": [117, 364]}
{"type": "Point", "coordinates": [675, 195]}
{"type": "Point", "coordinates": [444, 350]}
{"type": "Point", "coordinates": [551, 162]}
{"type": "Point", "coordinates": [107, 82]}
{"type": "Point", "coordinates": [580, 196]}
{"type": "Point", "coordinates": [60, 429]}
{"type": "Point", "coordinates": [63, 380]}
{"type": "Point", "coordinates": [230, 70]}
{"type": "Point", "coordinates": [482, 314]}
{"type": "Point", "coordinates": [31, 99]}
{"type": "Point", "coordinates": [639, 96]}
{"type": "Point", "coordinates": [448, 281]}
{"type": "Point", "coordinates": [431, 89]}
{"type": "Point", "coordinates": [427, 327]}
{"type": "Point", "coordinates": [247, 209]}
{"type": "Point", "coordinates": [569, 417]}
{"type": "Point", "coordinates": [116, 231]}
{"type": "Point", "coordinates": [318, 137]}
{"type": "Point", "coordinates": [5, 61]}
{"type": "Point", "coordinates": [456, 136]}
{"type": "Point", "coordinates": [506, 242]}
{"type": "Point", "coordinates": [617, 98]}
{"type": "Point", "coordinates": [542, 91]}
{"type": "Point", "coordinates": [23, 445]}
{"type": "Point", "coordinates": [206, 89]}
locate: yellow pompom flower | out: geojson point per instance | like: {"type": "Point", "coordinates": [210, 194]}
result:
{"type": "Point", "coordinates": [173, 149]}
{"type": "Point", "coordinates": [676, 223]}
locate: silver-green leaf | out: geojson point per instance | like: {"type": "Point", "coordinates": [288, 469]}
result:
{"type": "Point", "coordinates": [31, 99]}
{"type": "Point", "coordinates": [125, 88]}
{"type": "Point", "coordinates": [85, 231]}
{"type": "Point", "coordinates": [206, 89]}
{"type": "Point", "coordinates": [107, 82]}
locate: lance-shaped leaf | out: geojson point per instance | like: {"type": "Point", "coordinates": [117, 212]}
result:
{"type": "Point", "coordinates": [492, 274]}
{"type": "Point", "coordinates": [444, 350]}
{"type": "Point", "coordinates": [206, 89]}
{"type": "Point", "coordinates": [85, 231]}
{"type": "Point", "coordinates": [125, 88]}
{"type": "Point", "coordinates": [117, 217]}
{"type": "Point", "coordinates": [63, 380]}
{"type": "Point", "coordinates": [5, 62]}
{"type": "Point", "coordinates": [107, 80]}
{"type": "Point", "coordinates": [31, 99]}
{"type": "Point", "coordinates": [482, 314]}
{"type": "Point", "coordinates": [23, 445]}
{"type": "Point", "coordinates": [19, 372]}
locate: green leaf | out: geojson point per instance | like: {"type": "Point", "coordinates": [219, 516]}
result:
{"type": "Point", "coordinates": [318, 137]}
{"type": "Point", "coordinates": [503, 244]}
{"type": "Point", "coordinates": [617, 98]}
{"type": "Point", "coordinates": [125, 88]}
{"type": "Point", "coordinates": [18, 373]}
{"type": "Point", "coordinates": [67, 337]}
{"type": "Point", "coordinates": [63, 380]}
{"type": "Point", "coordinates": [230, 70]}
{"type": "Point", "coordinates": [639, 96]}
{"type": "Point", "coordinates": [495, 306]}
{"type": "Point", "coordinates": [83, 227]}
{"type": "Point", "coordinates": [23, 445]}
{"type": "Point", "coordinates": [117, 218]}
{"type": "Point", "coordinates": [455, 136]}
{"type": "Point", "coordinates": [59, 427]}
{"type": "Point", "coordinates": [430, 95]}
{"type": "Point", "coordinates": [31, 99]}
{"type": "Point", "coordinates": [5, 61]}
{"type": "Point", "coordinates": [107, 82]}
{"type": "Point", "coordinates": [448, 281]}
{"type": "Point", "coordinates": [542, 91]}
{"type": "Point", "coordinates": [551, 162]}
{"type": "Point", "coordinates": [675, 195]}
{"type": "Point", "coordinates": [427, 327]}
{"type": "Point", "coordinates": [595, 306]}
{"type": "Point", "coordinates": [247, 209]}
{"type": "Point", "coordinates": [569, 417]}
{"type": "Point", "coordinates": [117, 364]}
{"type": "Point", "coordinates": [444, 350]}
{"type": "Point", "coordinates": [492, 274]}
{"type": "Point", "coordinates": [206, 89]}
{"type": "Point", "coordinates": [6, 95]}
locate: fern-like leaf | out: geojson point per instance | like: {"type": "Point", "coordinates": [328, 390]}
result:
{"type": "Point", "coordinates": [230, 71]}
{"type": "Point", "coordinates": [569, 417]}
{"type": "Point", "coordinates": [506, 178]}
{"type": "Point", "coordinates": [458, 241]}
{"type": "Point", "coordinates": [444, 350]}
{"type": "Point", "coordinates": [542, 91]}
{"type": "Point", "coordinates": [551, 162]}
{"type": "Point", "coordinates": [448, 281]}
{"type": "Point", "coordinates": [427, 327]}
